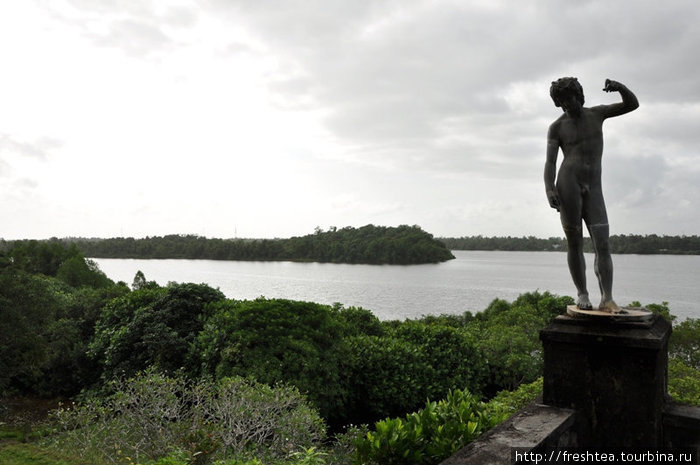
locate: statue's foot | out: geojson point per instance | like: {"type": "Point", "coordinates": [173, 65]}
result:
{"type": "Point", "coordinates": [584, 302]}
{"type": "Point", "coordinates": [609, 306]}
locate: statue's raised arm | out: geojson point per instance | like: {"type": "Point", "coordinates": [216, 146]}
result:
{"type": "Point", "coordinates": [629, 100]}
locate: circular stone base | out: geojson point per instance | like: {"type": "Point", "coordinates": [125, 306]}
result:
{"type": "Point", "coordinates": [625, 314]}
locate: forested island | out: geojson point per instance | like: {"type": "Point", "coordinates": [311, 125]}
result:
{"type": "Point", "coordinates": [402, 245]}
{"type": "Point", "coordinates": [619, 244]}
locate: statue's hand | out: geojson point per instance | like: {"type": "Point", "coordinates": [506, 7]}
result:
{"type": "Point", "coordinates": [612, 86]}
{"type": "Point", "coordinates": [553, 200]}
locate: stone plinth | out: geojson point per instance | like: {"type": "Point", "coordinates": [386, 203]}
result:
{"type": "Point", "coordinates": [612, 374]}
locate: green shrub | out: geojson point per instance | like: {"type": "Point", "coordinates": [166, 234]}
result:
{"type": "Point", "coordinates": [159, 418]}
{"type": "Point", "coordinates": [508, 336]}
{"type": "Point", "coordinates": [387, 377]}
{"type": "Point", "coordinates": [452, 353]}
{"type": "Point", "coordinates": [506, 403]}
{"type": "Point", "coordinates": [415, 361]}
{"type": "Point", "coordinates": [278, 340]}
{"type": "Point", "coordinates": [440, 429]}
{"type": "Point", "coordinates": [428, 435]}
{"type": "Point", "coordinates": [29, 305]}
{"type": "Point", "coordinates": [152, 327]}
{"type": "Point", "coordinates": [249, 415]}
{"type": "Point", "coordinates": [683, 382]}
{"type": "Point", "coordinates": [359, 321]}
{"type": "Point", "coordinates": [685, 342]}
{"type": "Point", "coordinates": [140, 420]}
{"type": "Point", "coordinates": [78, 271]}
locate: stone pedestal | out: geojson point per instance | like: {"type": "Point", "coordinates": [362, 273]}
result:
{"type": "Point", "coordinates": [613, 375]}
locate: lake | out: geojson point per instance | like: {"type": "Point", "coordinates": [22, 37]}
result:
{"type": "Point", "coordinates": [470, 282]}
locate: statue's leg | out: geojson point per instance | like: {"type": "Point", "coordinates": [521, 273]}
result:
{"type": "Point", "coordinates": [596, 218]}
{"type": "Point", "coordinates": [577, 265]}
{"type": "Point", "coordinates": [570, 211]}
{"type": "Point", "coordinates": [603, 265]}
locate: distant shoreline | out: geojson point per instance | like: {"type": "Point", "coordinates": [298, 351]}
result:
{"type": "Point", "coordinates": [403, 245]}
{"type": "Point", "coordinates": [619, 244]}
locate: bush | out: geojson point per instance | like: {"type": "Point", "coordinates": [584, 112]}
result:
{"type": "Point", "coordinates": [508, 336]}
{"type": "Point", "coordinates": [359, 321]}
{"type": "Point", "coordinates": [152, 327]}
{"type": "Point", "coordinates": [394, 374]}
{"type": "Point", "coordinates": [248, 415]}
{"type": "Point", "coordinates": [278, 340]}
{"type": "Point", "coordinates": [452, 354]}
{"type": "Point", "coordinates": [29, 305]}
{"type": "Point", "coordinates": [78, 272]}
{"type": "Point", "coordinates": [440, 429]}
{"type": "Point", "coordinates": [140, 420]}
{"type": "Point", "coordinates": [506, 403]}
{"type": "Point", "coordinates": [387, 378]}
{"type": "Point", "coordinates": [683, 382]}
{"type": "Point", "coordinates": [685, 342]}
{"type": "Point", "coordinates": [428, 435]}
{"type": "Point", "coordinates": [156, 417]}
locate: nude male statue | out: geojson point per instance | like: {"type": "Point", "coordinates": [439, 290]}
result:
{"type": "Point", "coordinates": [578, 194]}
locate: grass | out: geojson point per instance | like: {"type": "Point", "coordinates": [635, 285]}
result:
{"type": "Point", "coordinates": [21, 427]}
{"type": "Point", "coordinates": [17, 453]}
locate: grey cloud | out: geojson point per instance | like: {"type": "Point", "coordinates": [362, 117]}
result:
{"type": "Point", "coordinates": [39, 148]}
{"type": "Point", "coordinates": [137, 28]}
{"type": "Point", "coordinates": [390, 71]}
{"type": "Point", "coordinates": [133, 36]}
{"type": "Point", "coordinates": [632, 182]}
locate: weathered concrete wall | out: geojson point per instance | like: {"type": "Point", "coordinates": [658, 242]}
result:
{"type": "Point", "coordinates": [681, 426]}
{"type": "Point", "coordinates": [534, 428]}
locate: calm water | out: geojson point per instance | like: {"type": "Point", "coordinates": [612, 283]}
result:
{"type": "Point", "coordinates": [470, 282]}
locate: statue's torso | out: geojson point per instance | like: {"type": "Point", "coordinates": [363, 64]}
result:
{"type": "Point", "coordinates": [581, 142]}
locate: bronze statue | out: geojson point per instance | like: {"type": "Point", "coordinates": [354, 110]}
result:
{"type": "Point", "coordinates": [578, 194]}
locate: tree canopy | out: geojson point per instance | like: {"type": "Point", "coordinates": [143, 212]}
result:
{"type": "Point", "coordinates": [401, 245]}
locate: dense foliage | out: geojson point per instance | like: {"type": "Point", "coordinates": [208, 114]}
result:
{"type": "Point", "coordinates": [411, 362]}
{"type": "Point", "coordinates": [186, 352]}
{"type": "Point", "coordinates": [152, 327]}
{"type": "Point", "coordinates": [433, 433]}
{"type": "Point", "coordinates": [50, 300]}
{"type": "Point", "coordinates": [621, 244]}
{"type": "Point", "coordinates": [529, 243]}
{"type": "Point", "coordinates": [369, 244]}
{"type": "Point", "coordinates": [277, 340]}
{"type": "Point", "coordinates": [440, 428]}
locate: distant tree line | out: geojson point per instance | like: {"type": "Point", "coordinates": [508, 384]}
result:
{"type": "Point", "coordinates": [368, 244]}
{"type": "Point", "coordinates": [621, 244]}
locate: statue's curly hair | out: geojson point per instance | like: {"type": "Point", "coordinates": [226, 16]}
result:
{"type": "Point", "coordinates": [563, 86]}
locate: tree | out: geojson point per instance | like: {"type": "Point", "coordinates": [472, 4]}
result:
{"type": "Point", "coordinates": [508, 336]}
{"type": "Point", "coordinates": [685, 342]}
{"type": "Point", "coordinates": [28, 307]}
{"type": "Point", "coordinates": [77, 271]}
{"type": "Point", "coordinates": [140, 282]}
{"type": "Point", "coordinates": [153, 327]}
{"type": "Point", "coordinates": [279, 340]}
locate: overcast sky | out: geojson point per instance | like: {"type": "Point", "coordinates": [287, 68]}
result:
{"type": "Point", "coordinates": [258, 118]}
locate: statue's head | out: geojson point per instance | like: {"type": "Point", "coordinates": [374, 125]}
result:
{"type": "Point", "coordinates": [563, 87]}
